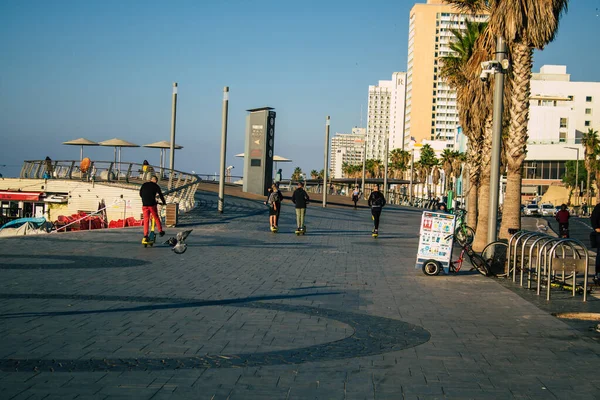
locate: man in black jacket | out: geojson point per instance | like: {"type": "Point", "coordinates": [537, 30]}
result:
{"type": "Point", "coordinates": [376, 202]}
{"type": "Point", "coordinates": [300, 199]}
{"type": "Point", "coordinates": [148, 193]}
{"type": "Point", "coordinates": [595, 221]}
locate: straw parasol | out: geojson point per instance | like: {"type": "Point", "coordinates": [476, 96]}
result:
{"type": "Point", "coordinates": [81, 142]}
{"type": "Point", "coordinates": [117, 144]}
{"type": "Point", "coordinates": [162, 145]}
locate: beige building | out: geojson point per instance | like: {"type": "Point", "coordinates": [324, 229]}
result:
{"type": "Point", "coordinates": [431, 111]}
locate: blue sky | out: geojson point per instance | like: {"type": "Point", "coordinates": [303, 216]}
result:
{"type": "Point", "coordinates": [104, 69]}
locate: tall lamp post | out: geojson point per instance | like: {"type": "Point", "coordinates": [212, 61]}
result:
{"type": "Point", "coordinates": [326, 160]}
{"type": "Point", "coordinates": [576, 169]}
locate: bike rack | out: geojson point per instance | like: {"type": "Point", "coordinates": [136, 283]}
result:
{"type": "Point", "coordinates": [509, 253]}
{"type": "Point", "coordinates": [521, 235]}
{"type": "Point", "coordinates": [543, 252]}
{"type": "Point", "coordinates": [575, 266]}
{"type": "Point", "coordinates": [545, 247]}
{"type": "Point", "coordinates": [534, 245]}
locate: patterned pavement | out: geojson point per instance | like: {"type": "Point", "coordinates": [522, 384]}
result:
{"type": "Point", "coordinates": [248, 314]}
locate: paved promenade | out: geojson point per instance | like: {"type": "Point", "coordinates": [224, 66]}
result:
{"type": "Point", "coordinates": [248, 314]}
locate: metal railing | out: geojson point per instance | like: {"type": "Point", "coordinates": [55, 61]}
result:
{"type": "Point", "coordinates": [536, 253]}
{"type": "Point", "coordinates": [178, 186]}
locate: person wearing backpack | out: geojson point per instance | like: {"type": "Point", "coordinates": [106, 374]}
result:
{"type": "Point", "coordinates": [273, 203]}
{"type": "Point", "coordinates": [376, 202]}
{"type": "Point", "coordinates": [279, 200]}
{"type": "Point", "coordinates": [300, 199]}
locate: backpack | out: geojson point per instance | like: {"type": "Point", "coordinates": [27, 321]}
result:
{"type": "Point", "coordinates": [378, 200]}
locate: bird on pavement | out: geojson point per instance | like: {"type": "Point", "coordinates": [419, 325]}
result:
{"type": "Point", "coordinates": [178, 242]}
{"type": "Point", "coordinates": [541, 227]}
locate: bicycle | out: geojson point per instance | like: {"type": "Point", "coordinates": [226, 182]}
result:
{"type": "Point", "coordinates": [433, 267]}
{"type": "Point", "coordinates": [463, 233]}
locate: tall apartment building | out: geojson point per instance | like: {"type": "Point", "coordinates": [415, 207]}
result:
{"type": "Point", "coordinates": [431, 111]}
{"type": "Point", "coordinates": [346, 148]}
{"type": "Point", "coordinates": [386, 115]}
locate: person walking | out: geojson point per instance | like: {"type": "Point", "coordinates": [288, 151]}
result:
{"type": "Point", "coordinates": [595, 221]}
{"type": "Point", "coordinates": [376, 202]}
{"type": "Point", "coordinates": [279, 200]}
{"type": "Point", "coordinates": [300, 199]}
{"type": "Point", "coordinates": [273, 203]}
{"type": "Point", "coordinates": [355, 195]}
{"type": "Point", "coordinates": [562, 217]}
{"type": "Point", "coordinates": [148, 193]}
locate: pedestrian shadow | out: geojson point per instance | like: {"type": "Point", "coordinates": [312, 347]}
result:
{"type": "Point", "coordinates": [171, 303]}
{"type": "Point", "coordinates": [68, 262]}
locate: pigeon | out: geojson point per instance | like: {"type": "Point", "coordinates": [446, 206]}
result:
{"type": "Point", "coordinates": [178, 242]}
{"type": "Point", "coordinates": [540, 226]}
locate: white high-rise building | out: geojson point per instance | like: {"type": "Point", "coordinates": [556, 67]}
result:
{"type": "Point", "coordinates": [386, 115]}
{"type": "Point", "coordinates": [346, 148]}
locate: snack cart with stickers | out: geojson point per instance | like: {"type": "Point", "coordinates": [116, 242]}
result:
{"type": "Point", "coordinates": [436, 239]}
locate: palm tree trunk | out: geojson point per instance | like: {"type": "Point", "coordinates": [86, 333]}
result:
{"type": "Point", "coordinates": [587, 188]}
{"type": "Point", "coordinates": [481, 233]}
{"type": "Point", "coordinates": [473, 199]}
{"type": "Point", "coordinates": [516, 141]}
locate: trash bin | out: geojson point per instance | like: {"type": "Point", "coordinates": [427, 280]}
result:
{"type": "Point", "coordinates": [171, 214]}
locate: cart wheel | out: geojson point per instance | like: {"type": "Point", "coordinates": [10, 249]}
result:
{"type": "Point", "coordinates": [431, 267]}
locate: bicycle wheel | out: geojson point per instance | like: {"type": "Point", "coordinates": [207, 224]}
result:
{"type": "Point", "coordinates": [464, 235]}
{"type": "Point", "coordinates": [479, 264]}
{"type": "Point", "coordinates": [495, 255]}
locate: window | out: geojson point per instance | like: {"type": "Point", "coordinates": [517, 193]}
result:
{"type": "Point", "coordinates": [563, 122]}
{"type": "Point", "coordinates": [588, 99]}
{"type": "Point", "coordinates": [587, 123]}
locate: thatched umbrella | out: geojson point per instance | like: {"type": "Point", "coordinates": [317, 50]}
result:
{"type": "Point", "coordinates": [162, 145]}
{"type": "Point", "coordinates": [117, 144]}
{"type": "Point", "coordinates": [81, 142]}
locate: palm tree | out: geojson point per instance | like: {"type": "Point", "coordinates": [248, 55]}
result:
{"type": "Point", "coordinates": [297, 174]}
{"type": "Point", "coordinates": [377, 168]}
{"type": "Point", "coordinates": [460, 74]}
{"type": "Point", "coordinates": [590, 144]}
{"type": "Point", "coordinates": [435, 178]}
{"type": "Point", "coordinates": [399, 161]}
{"type": "Point", "coordinates": [314, 174]}
{"type": "Point", "coordinates": [457, 166]}
{"type": "Point", "coordinates": [446, 161]}
{"type": "Point", "coordinates": [525, 25]}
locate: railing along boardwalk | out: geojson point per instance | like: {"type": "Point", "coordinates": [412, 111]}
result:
{"type": "Point", "coordinates": [178, 186]}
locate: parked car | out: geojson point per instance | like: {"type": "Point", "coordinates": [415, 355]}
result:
{"type": "Point", "coordinates": [531, 209]}
{"type": "Point", "coordinates": [547, 210]}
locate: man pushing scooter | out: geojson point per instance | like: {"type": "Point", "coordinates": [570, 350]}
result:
{"type": "Point", "coordinates": [148, 193]}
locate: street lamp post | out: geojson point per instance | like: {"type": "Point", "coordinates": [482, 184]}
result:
{"type": "Point", "coordinates": [225, 112]}
{"type": "Point", "coordinates": [576, 168]}
{"type": "Point", "coordinates": [326, 160]}
{"type": "Point", "coordinates": [412, 163]}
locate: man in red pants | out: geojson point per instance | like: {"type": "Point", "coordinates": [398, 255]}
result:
{"type": "Point", "coordinates": [148, 193]}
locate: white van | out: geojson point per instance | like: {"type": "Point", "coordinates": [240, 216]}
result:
{"type": "Point", "coordinates": [547, 210]}
{"type": "Point", "coordinates": [531, 209]}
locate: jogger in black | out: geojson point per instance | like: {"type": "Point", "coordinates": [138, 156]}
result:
{"type": "Point", "coordinates": [376, 202]}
